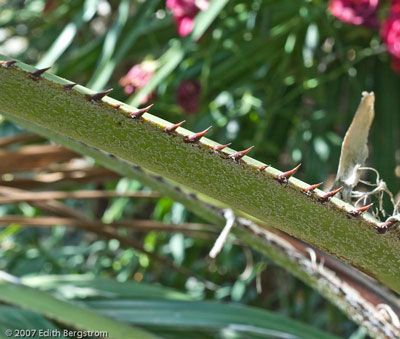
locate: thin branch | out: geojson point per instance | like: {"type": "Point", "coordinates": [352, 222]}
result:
{"type": "Point", "coordinates": [61, 179]}
{"type": "Point", "coordinates": [35, 156]}
{"type": "Point", "coordinates": [135, 225]}
{"type": "Point", "coordinates": [81, 194]}
{"type": "Point", "coordinates": [22, 138]}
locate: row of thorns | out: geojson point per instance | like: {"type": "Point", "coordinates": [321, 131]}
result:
{"type": "Point", "coordinates": [236, 156]}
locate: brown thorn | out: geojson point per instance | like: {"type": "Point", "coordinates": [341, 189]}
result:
{"type": "Point", "coordinates": [283, 177]}
{"type": "Point", "coordinates": [140, 112]}
{"type": "Point", "coordinates": [262, 168]}
{"type": "Point", "coordinates": [384, 226]}
{"type": "Point", "coordinates": [69, 86]}
{"type": "Point", "coordinates": [197, 136]}
{"type": "Point", "coordinates": [172, 128]}
{"type": "Point", "coordinates": [98, 96]}
{"type": "Point", "coordinates": [239, 155]}
{"type": "Point", "coordinates": [330, 194]}
{"type": "Point", "coordinates": [7, 63]}
{"type": "Point", "coordinates": [311, 188]}
{"type": "Point", "coordinates": [221, 147]}
{"type": "Point", "coordinates": [39, 72]}
{"type": "Point", "coordinates": [360, 210]}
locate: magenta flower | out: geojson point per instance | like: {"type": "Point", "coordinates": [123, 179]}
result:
{"type": "Point", "coordinates": [391, 34]}
{"type": "Point", "coordinates": [188, 96]}
{"type": "Point", "coordinates": [395, 9]}
{"type": "Point", "coordinates": [356, 12]}
{"type": "Point", "coordinates": [138, 76]}
{"type": "Point", "coordinates": [184, 12]}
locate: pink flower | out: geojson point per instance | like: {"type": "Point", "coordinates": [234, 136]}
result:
{"type": "Point", "coordinates": [356, 12]}
{"type": "Point", "coordinates": [184, 12]}
{"type": "Point", "coordinates": [395, 7]}
{"type": "Point", "coordinates": [391, 34]}
{"type": "Point", "coordinates": [395, 64]}
{"type": "Point", "coordinates": [138, 76]}
{"type": "Point", "coordinates": [188, 96]}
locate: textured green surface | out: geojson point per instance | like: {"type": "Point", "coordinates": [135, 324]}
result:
{"type": "Point", "coordinates": [239, 185]}
{"type": "Point", "coordinates": [67, 313]}
{"type": "Point", "coordinates": [276, 253]}
{"type": "Point", "coordinates": [126, 169]}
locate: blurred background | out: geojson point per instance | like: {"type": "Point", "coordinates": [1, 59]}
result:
{"type": "Point", "coordinates": [285, 76]}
